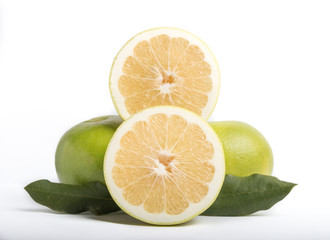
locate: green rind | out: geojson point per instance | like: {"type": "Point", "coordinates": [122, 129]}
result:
{"type": "Point", "coordinates": [246, 150]}
{"type": "Point", "coordinates": [80, 152]}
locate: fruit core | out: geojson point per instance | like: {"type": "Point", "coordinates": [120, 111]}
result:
{"type": "Point", "coordinates": [168, 77]}
{"type": "Point", "coordinates": [166, 161]}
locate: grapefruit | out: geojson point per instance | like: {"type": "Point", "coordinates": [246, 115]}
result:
{"type": "Point", "coordinates": [164, 165]}
{"type": "Point", "coordinates": [164, 66]}
{"type": "Point", "coordinates": [246, 149]}
{"type": "Point", "coordinates": [80, 152]}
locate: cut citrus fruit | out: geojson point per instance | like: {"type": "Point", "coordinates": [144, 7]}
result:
{"type": "Point", "coordinates": [164, 165]}
{"type": "Point", "coordinates": [164, 66]}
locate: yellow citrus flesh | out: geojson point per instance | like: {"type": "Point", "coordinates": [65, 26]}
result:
{"type": "Point", "coordinates": [164, 66]}
{"type": "Point", "coordinates": [164, 166]}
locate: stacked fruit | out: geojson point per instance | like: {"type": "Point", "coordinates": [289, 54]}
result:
{"type": "Point", "coordinates": [164, 164]}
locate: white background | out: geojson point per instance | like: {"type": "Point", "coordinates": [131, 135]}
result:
{"type": "Point", "coordinates": [274, 57]}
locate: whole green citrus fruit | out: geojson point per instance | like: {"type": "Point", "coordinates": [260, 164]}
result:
{"type": "Point", "coordinates": [80, 153]}
{"type": "Point", "coordinates": [246, 149]}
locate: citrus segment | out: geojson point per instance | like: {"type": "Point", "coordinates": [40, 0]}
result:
{"type": "Point", "coordinates": [131, 85]}
{"type": "Point", "coordinates": [135, 68]}
{"type": "Point", "coordinates": [158, 125]}
{"type": "Point", "coordinates": [144, 53]}
{"type": "Point", "coordinates": [191, 137]}
{"type": "Point", "coordinates": [201, 171]}
{"type": "Point", "coordinates": [128, 158]}
{"type": "Point", "coordinates": [164, 165]}
{"type": "Point", "coordinates": [155, 202]}
{"type": "Point", "coordinates": [176, 201]}
{"type": "Point", "coordinates": [143, 130]}
{"type": "Point", "coordinates": [137, 192]}
{"type": "Point", "coordinates": [177, 51]}
{"type": "Point", "coordinates": [164, 66]}
{"type": "Point", "coordinates": [178, 126]}
{"type": "Point", "coordinates": [202, 152]}
{"type": "Point", "coordinates": [196, 190]}
{"type": "Point", "coordinates": [132, 142]}
{"type": "Point", "coordinates": [160, 45]}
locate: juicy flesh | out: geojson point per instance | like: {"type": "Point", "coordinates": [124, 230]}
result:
{"type": "Point", "coordinates": [164, 169]}
{"type": "Point", "coordinates": [165, 71]}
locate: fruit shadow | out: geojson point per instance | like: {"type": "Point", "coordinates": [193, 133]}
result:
{"type": "Point", "coordinates": [121, 217]}
{"type": "Point", "coordinates": [252, 215]}
{"type": "Point", "coordinates": [39, 210]}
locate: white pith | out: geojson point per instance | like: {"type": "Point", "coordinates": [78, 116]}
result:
{"type": "Point", "coordinates": [127, 50]}
{"type": "Point", "coordinates": [194, 208]}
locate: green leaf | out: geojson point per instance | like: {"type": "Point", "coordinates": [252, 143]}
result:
{"type": "Point", "coordinates": [241, 196]}
{"type": "Point", "coordinates": [67, 198]}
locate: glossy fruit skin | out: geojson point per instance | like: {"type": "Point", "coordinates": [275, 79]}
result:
{"type": "Point", "coordinates": [246, 149]}
{"type": "Point", "coordinates": [80, 153]}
